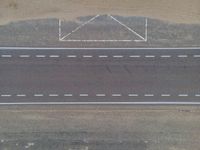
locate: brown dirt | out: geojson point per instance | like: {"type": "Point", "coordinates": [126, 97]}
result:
{"type": "Point", "coordinates": [179, 11]}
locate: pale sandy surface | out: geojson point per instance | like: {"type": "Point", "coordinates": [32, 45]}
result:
{"type": "Point", "coordinates": [152, 128]}
{"type": "Point", "coordinates": [181, 11]}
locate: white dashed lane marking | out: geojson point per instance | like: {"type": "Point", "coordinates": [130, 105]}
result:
{"type": "Point", "coordinates": [165, 56]}
{"type": "Point", "coordinates": [132, 95]}
{"type": "Point", "coordinates": [116, 95]}
{"type": "Point", "coordinates": [100, 95]}
{"type": "Point", "coordinates": [6, 95]}
{"type": "Point", "coordinates": [40, 56]}
{"type": "Point", "coordinates": [183, 95]}
{"type": "Point", "coordinates": [182, 56]}
{"type": "Point", "coordinates": [54, 56]}
{"type": "Point", "coordinates": [150, 56]}
{"type": "Point", "coordinates": [53, 95]}
{"type": "Point", "coordinates": [87, 56]}
{"type": "Point", "coordinates": [71, 56]}
{"type": "Point", "coordinates": [83, 95]}
{"type": "Point", "coordinates": [165, 95]}
{"type": "Point", "coordinates": [24, 56]}
{"type": "Point", "coordinates": [21, 95]}
{"type": "Point", "coordinates": [134, 56]}
{"type": "Point", "coordinates": [118, 56]}
{"type": "Point", "coordinates": [38, 95]}
{"type": "Point", "coordinates": [196, 56]}
{"type": "Point", "coordinates": [102, 56]}
{"type": "Point", "coordinates": [68, 95]}
{"type": "Point", "coordinates": [149, 95]}
{"type": "Point", "coordinates": [6, 56]}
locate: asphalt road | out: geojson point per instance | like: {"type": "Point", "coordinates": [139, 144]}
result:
{"type": "Point", "coordinates": [99, 76]}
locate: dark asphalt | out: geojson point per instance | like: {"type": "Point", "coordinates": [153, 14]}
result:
{"type": "Point", "coordinates": [100, 75]}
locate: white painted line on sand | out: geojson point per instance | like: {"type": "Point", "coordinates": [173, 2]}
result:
{"type": "Point", "coordinates": [79, 27]}
{"type": "Point", "coordinates": [128, 28]}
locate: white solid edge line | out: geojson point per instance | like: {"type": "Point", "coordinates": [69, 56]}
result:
{"type": "Point", "coordinates": [63, 48]}
{"type": "Point", "coordinates": [102, 103]}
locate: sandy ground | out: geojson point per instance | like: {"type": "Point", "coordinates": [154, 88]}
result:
{"type": "Point", "coordinates": [180, 11]}
{"type": "Point", "coordinates": [166, 128]}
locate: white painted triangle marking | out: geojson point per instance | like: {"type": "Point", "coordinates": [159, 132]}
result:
{"type": "Point", "coordinates": [62, 39]}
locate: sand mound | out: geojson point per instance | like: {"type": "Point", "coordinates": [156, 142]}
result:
{"type": "Point", "coordinates": [179, 11]}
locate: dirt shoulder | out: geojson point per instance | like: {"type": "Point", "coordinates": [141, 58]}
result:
{"type": "Point", "coordinates": [178, 11]}
{"type": "Point", "coordinates": [142, 127]}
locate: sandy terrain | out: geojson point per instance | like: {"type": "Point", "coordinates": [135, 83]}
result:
{"type": "Point", "coordinates": [180, 11]}
{"type": "Point", "coordinates": [152, 128]}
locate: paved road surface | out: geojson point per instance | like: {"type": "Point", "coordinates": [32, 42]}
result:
{"type": "Point", "coordinates": [99, 76]}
